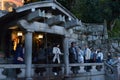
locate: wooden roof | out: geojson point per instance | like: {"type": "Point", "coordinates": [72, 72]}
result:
{"type": "Point", "coordinates": [21, 12]}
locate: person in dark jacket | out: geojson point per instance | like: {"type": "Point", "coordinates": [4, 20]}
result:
{"type": "Point", "coordinates": [41, 60]}
{"type": "Point", "coordinates": [73, 57]}
{"type": "Point", "coordinates": [49, 54]}
{"type": "Point", "coordinates": [19, 56]}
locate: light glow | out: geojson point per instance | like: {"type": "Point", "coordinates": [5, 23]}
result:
{"type": "Point", "coordinates": [10, 4]}
{"type": "Point", "coordinates": [19, 34]}
{"type": "Point", "coordinates": [40, 36]}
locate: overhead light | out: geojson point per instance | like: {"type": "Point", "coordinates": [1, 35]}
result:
{"type": "Point", "coordinates": [40, 36]}
{"type": "Point", "coordinates": [19, 34]}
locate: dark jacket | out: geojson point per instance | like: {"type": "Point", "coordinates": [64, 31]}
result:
{"type": "Point", "coordinates": [72, 55]}
{"type": "Point", "coordinates": [18, 53]}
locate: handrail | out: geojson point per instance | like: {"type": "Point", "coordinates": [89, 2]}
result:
{"type": "Point", "coordinates": [12, 65]}
{"type": "Point", "coordinates": [4, 67]}
{"type": "Point", "coordinates": [86, 64]}
{"type": "Point", "coordinates": [109, 71]}
{"type": "Point", "coordinates": [34, 65]}
{"type": "Point", "coordinates": [106, 64]}
{"type": "Point", "coordinates": [48, 65]}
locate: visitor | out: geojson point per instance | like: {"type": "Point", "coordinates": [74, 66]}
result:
{"type": "Point", "coordinates": [19, 56]}
{"type": "Point", "coordinates": [80, 55]}
{"type": "Point", "coordinates": [73, 57]}
{"type": "Point", "coordinates": [49, 54]}
{"type": "Point", "coordinates": [99, 59]}
{"type": "Point", "coordinates": [87, 56]}
{"type": "Point", "coordinates": [93, 56]}
{"type": "Point", "coordinates": [41, 60]}
{"type": "Point", "coordinates": [57, 53]}
{"type": "Point", "coordinates": [99, 56]}
{"type": "Point", "coordinates": [56, 58]}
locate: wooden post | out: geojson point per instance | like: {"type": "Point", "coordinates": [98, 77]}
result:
{"type": "Point", "coordinates": [66, 56]}
{"type": "Point", "coordinates": [28, 55]}
{"type": "Point", "coordinates": [117, 72]}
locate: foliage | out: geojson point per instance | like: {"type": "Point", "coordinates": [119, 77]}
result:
{"type": "Point", "coordinates": [92, 11]}
{"type": "Point", "coordinates": [95, 11]}
{"type": "Point", "coordinates": [115, 32]}
{"type": "Point", "coordinates": [67, 3]}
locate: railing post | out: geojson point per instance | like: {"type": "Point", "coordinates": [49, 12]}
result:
{"type": "Point", "coordinates": [66, 54]}
{"type": "Point", "coordinates": [117, 71]}
{"type": "Point", "coordinates": [1, 75]}
{"type": "Point", "coordinates": [22, 74]}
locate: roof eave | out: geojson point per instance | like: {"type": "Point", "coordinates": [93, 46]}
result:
{"type": "Point", "coordinates": [42, 4]}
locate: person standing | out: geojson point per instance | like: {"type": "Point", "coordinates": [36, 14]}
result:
{"type": "Point", "coordinates": [99, 56]}
{"type": "Point", "coordinates": [56, 58]}
{"type": "Point", "coordinates": [56, 52]}
{"type": "Point", "coordinates": [41, 60]}
{"type": "Point", "coordinates": [80, 55]}
{"type": "Point", "coordinates": [49, 54]}
{"type": "Point", "coordinates": [73, 57]}
{"type": "Point", "coordinates": [87, 56]}
{"type": "Point", "coordinates": [99, 59]}
{"type": "Point", "coordinates": [109, 58]}
{"type": "Point", "coordinates": [19, 56]}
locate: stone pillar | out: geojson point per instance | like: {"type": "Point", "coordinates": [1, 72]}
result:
{"type": "Point", "coordinates": [66, 56]}
{"type": "Point", "coordinates": [28, 55]}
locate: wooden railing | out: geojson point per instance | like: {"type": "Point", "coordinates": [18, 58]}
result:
{"type": "Point", "coordinates": [8, 68]}
{"type": "Point", "coordinates": [112, 71]}
{"type": "Point", "coordinates": [109, 72]}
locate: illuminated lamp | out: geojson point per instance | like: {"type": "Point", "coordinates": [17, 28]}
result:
{"type": "Point", "coordinates": [40, 36]}
{"type": "Point", "coordinates": [19, 34]}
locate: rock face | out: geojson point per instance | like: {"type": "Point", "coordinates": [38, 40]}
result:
{"type": "Point", "coordinates": [96, 36]}
{"type": "Point", "coordinates": [93, 34]}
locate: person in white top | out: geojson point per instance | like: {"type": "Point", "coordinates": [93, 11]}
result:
{"type": "Point", "coordinates": [99, 59]}
{"type": "Point", "coordinates": [80, 55]}
{"type": "Point", "coordinates": [56, 52]}
{"type": "Point", "coordinates": [87, 54]}
{"type": "Point", "coordinates": [99, 56]}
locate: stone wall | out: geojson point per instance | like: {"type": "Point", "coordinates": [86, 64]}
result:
{"type": "Point", "coordinates": [92, 34]}
{"type": "Point", "coordinates": [96, 36]}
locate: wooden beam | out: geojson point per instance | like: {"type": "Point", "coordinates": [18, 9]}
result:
{"type": "Point", "coordinates": [72, 23]}
{"type": "Point", "coordinates": [36, 15]}
{"type": "Point", "coordinates": [55, 20]}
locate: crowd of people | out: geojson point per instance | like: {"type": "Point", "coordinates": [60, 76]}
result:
{"type": "Point", "coordinates": [52, 54]}
{"type": "Point", "coordinates": [85, 55]}
{"type": "Point", "coordinates": [76, 54]}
